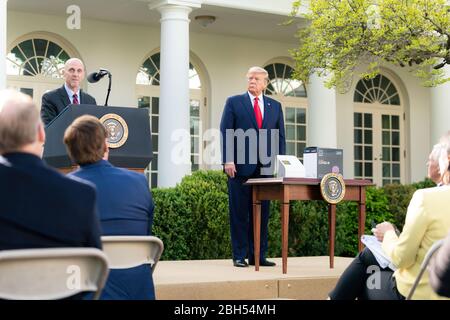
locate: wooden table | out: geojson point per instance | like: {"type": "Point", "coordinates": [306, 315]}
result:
{"type": "Point", "coordinates": [287, 189]}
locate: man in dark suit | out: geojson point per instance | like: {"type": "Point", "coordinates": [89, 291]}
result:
{"type": "Point", "coordinates": [53, 102]}
{"type": "Point", "coordinates": [39, 207]}
{"type": "Point", "coordinates": [125, 204]}
{"type": "Point", "coordinates": [252, 129]}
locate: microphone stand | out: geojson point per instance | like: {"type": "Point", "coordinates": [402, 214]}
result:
{"type": "Point", "coordinates": [109, 89]}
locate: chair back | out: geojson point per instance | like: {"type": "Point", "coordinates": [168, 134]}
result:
{"type": "Point", "coordinates": [51, 273]}
{"type": "Point", "coordinates": [424, 265]}
{"type": "Point", "coordinates": [132, 251]}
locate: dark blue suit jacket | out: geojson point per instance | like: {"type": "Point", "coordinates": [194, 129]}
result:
{"type": "Point", "coordinates": [41, 208]}
{"type": "Point", "coordinates": [125, 206]}
{"type": "Point", "coordinates": [55, 101]}
{"type": "Point", "coordinates": [238, 114]}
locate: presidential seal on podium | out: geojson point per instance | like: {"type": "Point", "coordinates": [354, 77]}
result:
{"type": "Point", "coordinates": [332, 188]}
{"type": "Point", "coordinates": [117, 129]}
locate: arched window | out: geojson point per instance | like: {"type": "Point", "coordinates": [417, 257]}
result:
{"type": "Point", "coordinates": [379, 89]}
{"type": "Point", "coordinates": [147, 81]}
{"type": "Point", "coordinates": [378, 124]}
{"type": "Point", "coordinates": [292, 95]}
{"type": "Point", "coordinates": [36, 56]}
{"type": "Point", "coordinates": [281, 82]}
{"type": "Point", "coordinates": [35, 62]}
{"type": "Point", "coordinates": [149, 73]}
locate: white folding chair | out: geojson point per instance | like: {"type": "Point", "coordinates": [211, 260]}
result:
{"type": "Point", "coordinates": [51, 273]}
{"type": "Point", "coordinates": [132, 251]}
{"type": "Point", "coordinates": [424, 265]}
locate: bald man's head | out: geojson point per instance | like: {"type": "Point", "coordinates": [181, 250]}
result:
{"type": "Point", "coordinates": [20, 123]}
{"type": "Point", "coordinates": [74, 73]}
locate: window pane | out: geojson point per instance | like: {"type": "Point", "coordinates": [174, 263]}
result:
{"type": "Point", "coordinates": [386, 154]}
{"type": "Point", "coordinates": [384, 82]}
{"type": "Point", "coordinates": [358, 169]}
{"type": "Point", "coordinates": [144, 102]}
{"type": "Point", "coordinates": [395, 100]}
{"type": "Point", "coordinates": [301, 133]}
{"type": "Point", "coordinates": [358, 152]}
{"type": "Point", "coordinates": [391, 90]}
{"type": "Point", "coordinates": [357, 119]}
{"type": "Point", "coordinates": [40, 45]}
{"type": "Point", "coordinates": [367, 120]}
{"type": "Point", "coordinates": [154, 127]}
{"type": "Point", "coordinates": [386, 138]}
{"type": "Point", "coordinates": [155, 142]}
{"type": "Point", "coordinates": [357, 136]}
{"type": "Point", "coordinates": [194, 163]}
{"type": "Point", "coordinates": [290, 132]}
{"type": "Point", "coordinates": [357, 97]}
{"type": "Point", "coordinates": [290, 115]}
{"type": "Point", "coordinates": [64, 56]}
{"type": "Point", "coordinates": [155, 162]}
{"type": "Point", "coordinates": [386, 169]}
{"type": "Point", "coordinates": [53, 50]}
{"type": "Point", "coordinates": [385, 122]}
{"type": "Point", "coordinates": [154, 180]}
{"type": "Point", "coordinates": [290, 148]}
{"type": "Point", "coordinates": [279, 69]}
{"type": "Point", "coordinates": [301, 115]}
{"type": "Point", "coordinates": [300, 148]}
{"type": "Point", "coordinates": [368, 153]}
{"type": "Point", "coordinates": [395, 154]}
{"type": "Point", "coordinates": [27, 48]}
{"type": "Point", "coordinates": [395, 138]}
{"type": "Point", "coordinates": [194, 127]}
{"type": "Point", "coordinates": [195, 108]}
{"type": "Point", "coordinates": [18, 55]}
{"type": "Point", "coordinates": [395, 122]}
{"type": "Point", "coordinates": [386, 181]}
{"type": "Point", "coordinates": [155, 105]}
{"type": "Point", "coordinates": [368, 136]}
{"type": "Point", "coordinates": [270, 70]}
{"type": "Point", "coordinates": [367, 169]}
{"type": "Point", "coordinates": [396, 170]}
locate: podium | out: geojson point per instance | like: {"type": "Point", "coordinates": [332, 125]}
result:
{"type": "Point", "coordinates": [133, 152]}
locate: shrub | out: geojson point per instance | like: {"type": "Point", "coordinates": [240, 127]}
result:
{"type": "Point", "coordinates": [192, 219]}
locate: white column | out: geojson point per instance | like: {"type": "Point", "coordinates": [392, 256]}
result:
{"type": "Point", "coordinates": [3, 14]}
{"type": "Point", "coordinates": [174, 136]}
{"type": "Point", "coordinates": [322, 125]}
{"type": "Point", "coordinates": [440, 109]}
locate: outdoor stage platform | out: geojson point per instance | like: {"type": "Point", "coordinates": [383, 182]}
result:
{"type": "Point", "coordinates": [307, 278]}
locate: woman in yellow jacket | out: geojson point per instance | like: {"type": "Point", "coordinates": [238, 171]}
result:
{"type": "Point", "coordinates": [427, 220]}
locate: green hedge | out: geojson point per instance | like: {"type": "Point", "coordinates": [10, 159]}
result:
{"type": "Point", "coordinates": [192, 219]}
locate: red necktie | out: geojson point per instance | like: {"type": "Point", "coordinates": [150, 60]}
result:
{"type": "Point", "coordinates": [258, 114]}
{"type": "Point", "coordinates": [75, 99]}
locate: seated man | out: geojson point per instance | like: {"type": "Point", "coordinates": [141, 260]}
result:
{"type": "Point", "coordinates": [40, 208]}
{"type": "Point", "coordinates": [125, 204]}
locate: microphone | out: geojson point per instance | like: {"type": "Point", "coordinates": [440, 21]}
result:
{"type": "Point", "coordinates": [96, 76]}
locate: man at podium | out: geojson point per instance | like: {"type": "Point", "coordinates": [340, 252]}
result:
{"type": "Point", "coordinates": [53, 102]}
